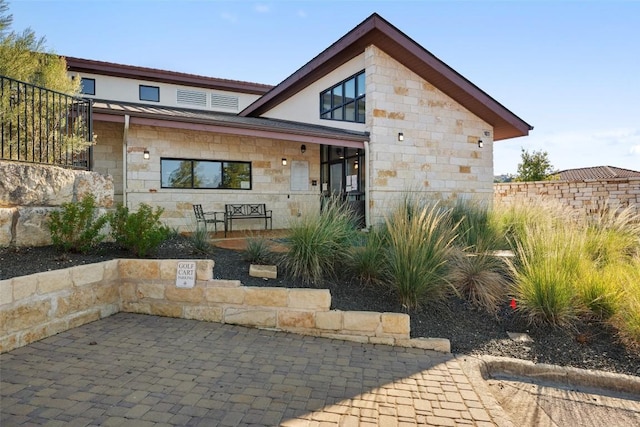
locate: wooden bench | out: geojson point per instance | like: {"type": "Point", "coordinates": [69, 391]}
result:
{"type": "Point", "coordinates": [246, 211]}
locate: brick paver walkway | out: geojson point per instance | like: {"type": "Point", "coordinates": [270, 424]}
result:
{"type": "Point", "coordinates": [139, 370]}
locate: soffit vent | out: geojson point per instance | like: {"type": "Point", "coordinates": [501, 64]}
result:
{"type": "Point", "coordinates": [224, 101]}
{"type": "Point", "coordinates": [192, 97]}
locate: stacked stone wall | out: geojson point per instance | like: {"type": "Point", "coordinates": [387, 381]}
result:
{"type": "Point", "coordinates": [36, 306]}
{"type": "Point", "coordinates": [588, 196]}
{"type": "Point", "coordinates": [29, 192]}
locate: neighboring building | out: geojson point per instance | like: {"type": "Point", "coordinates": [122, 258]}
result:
{"type": "Point", "coordinates": [595, 173]}
{"type": "Point", "coordinates": [371, 117]}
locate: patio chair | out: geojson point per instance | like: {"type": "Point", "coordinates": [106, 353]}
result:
{"type": "Point", "coordinates": [209, 218]}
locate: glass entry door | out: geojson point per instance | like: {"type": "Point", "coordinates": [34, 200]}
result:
{"type": "Point", "coordinates": [342, 176]}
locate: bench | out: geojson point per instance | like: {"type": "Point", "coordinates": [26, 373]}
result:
{"type": "Point", "coordinates": [209, 218]}
{"type": "Point", "coordinates": [246, 211]}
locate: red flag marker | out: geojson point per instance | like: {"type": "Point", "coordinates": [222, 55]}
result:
{"type": "Point", "coordinates": [513, 303]}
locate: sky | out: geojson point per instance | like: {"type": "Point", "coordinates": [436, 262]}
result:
{"type": "Point", "coordinates": [571, 69]}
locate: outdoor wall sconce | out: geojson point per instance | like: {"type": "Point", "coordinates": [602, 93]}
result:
{"type": "Point", "coordinates": [284, 162]}
{"type": "Point", "coordinates": [480, 143]}
{"type": "Point", "coordinates": [145, 154]}
{"type": "Point", "coordinates": [400, 136]}
{"type": "Point", "coordinates": [303, 148]}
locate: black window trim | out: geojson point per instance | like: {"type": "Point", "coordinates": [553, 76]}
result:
{"type": "Point", "coordinates": [150, 87]}
{"type": "Point", "coordinates": [335, 107]}
{"type": "Point", "coordinates": [82, 91]}
{"type": "Point", "coordinates": [207, 160]}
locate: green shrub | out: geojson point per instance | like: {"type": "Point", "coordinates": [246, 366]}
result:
{"type": "Point", "coordinates": [478, 230]}
{"type": "Point", "coordinates": [257, 250]}
{"type": "Point", "coordinates": [481, 278]}
{"type": "Point", "coordinates": [627, 317]}
{"type": "Point", "coordinates": [600, 290]}
{"type": "Point", "coordinates": [419, 244]}
{"type": "Point", "coordinates": [77, 226]}
{"type": "Point", "coordinates": [139, 232]}
{"type": "Point", "coordinates": [318, 241]}
{"type": "Point", "coordinates": [367, 261]}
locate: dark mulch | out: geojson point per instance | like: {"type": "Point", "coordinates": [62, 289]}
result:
{"type": "Point", "coordinates": [589, 346]}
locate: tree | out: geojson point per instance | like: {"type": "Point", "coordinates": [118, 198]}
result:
{"type": "Point", "coordinates": [535, 166]}
{"type": "Point", "coordinates": [43, 128]}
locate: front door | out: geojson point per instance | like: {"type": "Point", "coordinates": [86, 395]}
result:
{"type": "Point", "coordinates": [342, 175]}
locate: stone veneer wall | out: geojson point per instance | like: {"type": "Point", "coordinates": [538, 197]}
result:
{"type": "Point", "coordinates": [271, 181]}
{"type": "Point", "coordinates": [39, 305]}
{"type": "Point", "coordinates": [439, 156]}
{"type": "Point", "coordinates": [590, 196]}
{"type": "Point", "coordinates": [29, 192]}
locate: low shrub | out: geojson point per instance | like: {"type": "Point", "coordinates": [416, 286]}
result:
{"type": "Point", "coordinates": [257, 250]}
{"type": "Point", "coordinates": [480, 278]}
{"type": "Point", "coordinates": [318, 241]}
{"type": "Point", "coordinates": [366, 261]}
{"type": "Point", "coordinates": [77, 227]}
{"type": "Point", "coordinates": [139, 232]}
{"type": "Point", "coordinates": [199, 239]}
{"type": "Point", "coordinates": [419, 243]}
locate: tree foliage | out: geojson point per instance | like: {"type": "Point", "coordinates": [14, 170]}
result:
{"type": "Point", "coordinates": [32, 120]}
{"type": "Point", "coordinates": [535, 166]}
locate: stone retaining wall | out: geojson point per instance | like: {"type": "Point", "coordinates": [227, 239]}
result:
{"type": "Point", "coordinates": [39, 305]}
{"type": "Point", "coordinates": [590, 196]}
{"type": "Point", "coordinates": [29, 192]}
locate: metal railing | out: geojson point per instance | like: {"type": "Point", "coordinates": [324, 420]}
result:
{"type": "Point", "coordinates": [39, 125]}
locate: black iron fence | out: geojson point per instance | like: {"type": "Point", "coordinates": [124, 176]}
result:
{"type": "Point", "coordinates": [39, 125]}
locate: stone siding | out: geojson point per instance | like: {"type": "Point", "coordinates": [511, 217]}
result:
{"type": "Point", "coordinates": [439, 157]}
{"type": "Point", "coordinates": [589, 196]}
{"type": "Point", "coordinates": [29, 192]}
{"type": "Point", "coordinates": [107, 154]}
{"type": "Point", "coordinates": [36, 306]}
{"type": "Point", "coordinates": [271, 181]}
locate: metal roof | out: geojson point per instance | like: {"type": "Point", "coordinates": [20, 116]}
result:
{"type": "Point", "coordinates": [377, 31]}
{"type": "Point", "coordinates": [225, 123]}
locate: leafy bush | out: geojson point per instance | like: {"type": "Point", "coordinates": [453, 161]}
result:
{"type": "Point", "coordinates": [318, 241]}
{"type": "Point", "coordinates": [419, 244]}
{"type": "Point", "coordinates": [481, 278]}
{"type": "Point", "coordinates": [140, 232]}
{"type": "Point", "coordinates": [77, 226]}
{"type": "Point", "coordinates": [257, 250]}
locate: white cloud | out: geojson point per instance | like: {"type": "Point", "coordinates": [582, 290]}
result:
{"type": "Point", "coordinates": [229, 17]}
{"type": "Point", "coordinates": [262, 8]}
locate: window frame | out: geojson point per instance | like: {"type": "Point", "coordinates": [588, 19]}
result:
{"type": "Point", "coordinates": [148, 87]}
{"type": "Point", "coordinates": [222, 174]}
{"type": "Point", "coordinates": [82, 90]}
{"type": "Point", "coordinates": [341, 107]}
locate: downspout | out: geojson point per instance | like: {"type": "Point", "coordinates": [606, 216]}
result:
{"type": "Point", "coordinates": [125, 179]}
{"type": "Point", "coordinates": [367, 214]}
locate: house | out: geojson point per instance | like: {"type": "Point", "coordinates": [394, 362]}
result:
{"type": "Point", "coordinates": [371, 117]}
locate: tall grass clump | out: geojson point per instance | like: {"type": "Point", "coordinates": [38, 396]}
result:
{"type": "Point", "coordinates": [318, 241]}
{"type": "Point", "coordinates": [199, 239]}
{"type": "Point", "coordinates": [478, 228]}
{"type": "Point", "coordinates": [627, 317]}
{"type": "Point", "coordinates": [481, 278]}
{"type": "Point", "coordinates": [546, 270]}
{"type": "Point", "coordinates": [367, 261]}
{"type": "Point", "coordinates": [419, 243]}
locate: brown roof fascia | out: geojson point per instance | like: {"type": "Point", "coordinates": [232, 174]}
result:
{"type": "Point", "coordinates": [379, 32]}
{"type": "Point", "coordinates": [81, 65]}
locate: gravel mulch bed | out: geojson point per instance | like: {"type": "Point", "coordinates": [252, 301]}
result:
{"type": "Point", "coordinates": [472, 332]}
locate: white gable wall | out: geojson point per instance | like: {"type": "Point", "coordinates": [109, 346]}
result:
{"type": "Point", "coordinates": [120, 89]}
{"type": "Point", "coordinates": [304, 106]}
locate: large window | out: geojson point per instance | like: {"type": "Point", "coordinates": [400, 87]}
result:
{"type": "Point", "coordinates": [87, 86]}
{"type": "Point", "coordinates": [149, 93]}
{"type": "Point", "coordinates": [345, 101]}
{"type": "Point", "coordinates": [185, 173]}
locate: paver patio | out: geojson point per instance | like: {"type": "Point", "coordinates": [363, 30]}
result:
{"type": "Point", "coordinates": [131, 369]}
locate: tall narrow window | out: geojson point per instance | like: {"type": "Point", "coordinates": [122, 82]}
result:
{"type": "Point", "coordinates": [345, 101]}
{"type": "Point", "coordinates": [149, 93]}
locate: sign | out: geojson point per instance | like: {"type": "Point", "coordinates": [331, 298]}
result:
{"type": "Point", "coordinates": [186, 274]}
